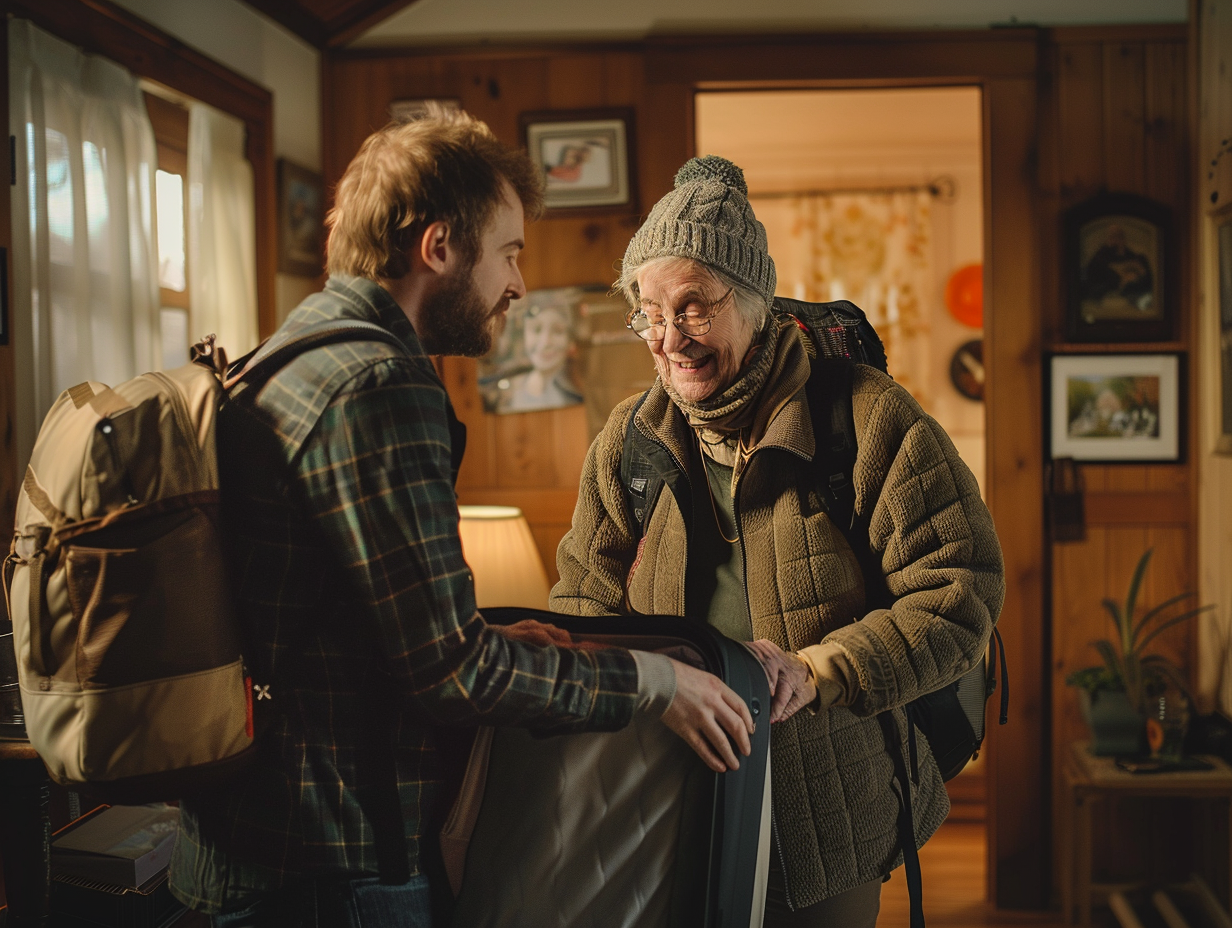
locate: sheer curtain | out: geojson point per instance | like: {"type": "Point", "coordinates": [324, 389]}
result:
{"type": "Point", "coordinates": [222, 274]}
{"type": "Point", "coordinates": [85, 271]}
{"type": "Point", "coordinates": [871, 248]}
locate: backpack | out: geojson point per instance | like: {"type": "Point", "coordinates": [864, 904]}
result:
{"type": "Point", "coordinates": [951, 718]}
{"type": "Point", "coordinates": [129, 652]}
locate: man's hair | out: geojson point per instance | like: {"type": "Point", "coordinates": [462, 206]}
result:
{"type": "Point", "coordinates": [445, 167]}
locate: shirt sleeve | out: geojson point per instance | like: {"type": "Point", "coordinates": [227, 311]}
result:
{"type": "Point", "coordinates": [376, 475]}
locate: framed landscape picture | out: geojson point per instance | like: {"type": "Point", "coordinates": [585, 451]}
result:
{"type": "Point", "coordinates": [1120, 271]}
{"type": "Point", "coordinates": [1117, 408]}
{"type": "Point", "coordinates": [584, 156]}
{"type": "Point", "coordinates": [301, 220]}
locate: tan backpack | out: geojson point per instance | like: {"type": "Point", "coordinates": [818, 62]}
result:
{"type": "Point", "coordinates": [128, 650]}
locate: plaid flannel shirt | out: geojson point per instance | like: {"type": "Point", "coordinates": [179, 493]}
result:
{"type": "Point", "coordinates": [359, 610]}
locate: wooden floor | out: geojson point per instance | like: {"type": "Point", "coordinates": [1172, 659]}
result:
{"type": "Point", "coordinates": [953, 864]}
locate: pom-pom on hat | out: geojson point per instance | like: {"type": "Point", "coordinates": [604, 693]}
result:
{"type": "Point", "coordinates": [707, 217]}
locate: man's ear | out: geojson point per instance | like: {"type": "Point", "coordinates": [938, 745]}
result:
{"type": "Point", "coordinates": [436, 248]}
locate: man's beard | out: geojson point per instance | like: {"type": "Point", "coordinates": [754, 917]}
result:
{"type": "Point", "coordinates": [456, 321]}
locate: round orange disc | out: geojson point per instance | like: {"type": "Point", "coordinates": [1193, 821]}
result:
{"type": "Point", "coordinates": [964, 295]}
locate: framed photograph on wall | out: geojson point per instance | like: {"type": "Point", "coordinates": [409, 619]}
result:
{"type": "Point", "coordinates": [1120, 270]}
{"type": "Point", "coordinates": [584, 156]}
{"type": "Point", "coordinates": [410, 110]}
{"type": "Point", "coordinates": [301, 220]}
{"type": "Point", "coordinates": [1117, 408]}
{"type": "Point", "coordinates": [1223, 245]}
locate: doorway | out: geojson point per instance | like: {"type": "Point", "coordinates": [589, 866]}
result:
{"type": "Point", "coordinates": [877, 196]}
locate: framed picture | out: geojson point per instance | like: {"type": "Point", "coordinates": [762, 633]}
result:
{"type": "Point", "coordinates": [301, 220]}
{"type": "Point", "coordinates": [1223, 239]}
{"type": "Point", "coordinates": [534, 365]}
{"type": "Point", "coordinates": [1120, 271]}
{"type": "Point", "coordinates": [1117, 408]}
{"type": "Point", "coordinates": [410, 110]}
{"type": "Point", "coordinates": [584, 156]}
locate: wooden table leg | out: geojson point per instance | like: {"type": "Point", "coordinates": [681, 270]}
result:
{"type": "Point", "coordinates": [1082, 864]}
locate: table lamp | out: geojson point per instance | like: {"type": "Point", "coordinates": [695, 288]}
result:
{"type": "Point", "coordinates": [501, 552]}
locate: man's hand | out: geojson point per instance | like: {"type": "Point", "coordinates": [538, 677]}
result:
{"type": "Point", "coordinates": [791, 681]}
{"type": "Point", "coordinates": [532, 632]}
{"type": "Point", "coordinates": [705, 712]}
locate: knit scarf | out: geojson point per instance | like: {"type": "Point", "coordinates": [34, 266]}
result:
{"type": "Point", "coordinates": [730, 424]}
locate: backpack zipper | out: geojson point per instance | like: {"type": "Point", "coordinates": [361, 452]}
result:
{"type": "Point", "coordinates": [182, 417]}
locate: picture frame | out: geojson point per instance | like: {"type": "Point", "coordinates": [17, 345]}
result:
{"type": "Point", "coordinates": [585, 157]}
{"type": "Point", "coordinates": [411, 110]}
{"type": "Point", "coordinates": [1223, 263]}
{"type": "Point", "coordinates": [1117, 408]}
{"type": "Point", "coordinates": [301, 220]}
{"type": "Point", "coordinates": [1120, 269]}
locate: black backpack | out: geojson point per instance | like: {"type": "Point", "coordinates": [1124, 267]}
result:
{"type": "Point", "coordinates": [951, 718]}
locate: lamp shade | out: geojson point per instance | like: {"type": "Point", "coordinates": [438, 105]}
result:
{"type": "Point", "coordinates": [501, 552]}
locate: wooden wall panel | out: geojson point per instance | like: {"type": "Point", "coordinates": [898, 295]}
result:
{"type": "Point", "coordinates": [1108, 113]}
{"type": "Point", "coordinates": [1121, 125]}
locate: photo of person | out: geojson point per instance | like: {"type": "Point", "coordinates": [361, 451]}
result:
{"type": "Point", "coordinates": [577, 163]}
{"type": "Point", "coordinates": [1120, 269]}
{"type": "Point", "coordinates": [534, 365]}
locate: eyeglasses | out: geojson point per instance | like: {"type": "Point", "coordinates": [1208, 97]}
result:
{"type": "Point", "coordinates": [694, 320]}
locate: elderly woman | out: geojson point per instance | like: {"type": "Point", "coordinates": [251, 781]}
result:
{"type": "Point", "coordinates": [755, 554]}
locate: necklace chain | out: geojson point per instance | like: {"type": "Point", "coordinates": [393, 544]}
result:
{"type": "Point", "coordinates": [718, 524]}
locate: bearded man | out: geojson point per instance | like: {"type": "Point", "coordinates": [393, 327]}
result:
{"type": "Point", "coordinates": [338, 477]}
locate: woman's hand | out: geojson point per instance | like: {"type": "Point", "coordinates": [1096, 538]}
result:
{"type": "Point", "coordinates": [532, 632]}
{"type": "Point", "coordinates": [791, 680]}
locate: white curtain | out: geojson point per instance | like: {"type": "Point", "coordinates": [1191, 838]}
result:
{"type": "Point", "coordinates": [222, 273]}
{"type": "Point", "coordinates": [85, 272]}
{"type": "Point", "coordinates": [871, 248]}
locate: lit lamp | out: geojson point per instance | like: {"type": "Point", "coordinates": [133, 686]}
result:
{"type": "Point", "coordinates": [501, 552]}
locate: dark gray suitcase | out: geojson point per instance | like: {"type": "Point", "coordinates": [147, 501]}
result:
{"type": "Point", "coordinates": [625, 829]}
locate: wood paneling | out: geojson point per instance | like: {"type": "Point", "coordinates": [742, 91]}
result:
{"type": "Point", "coordinates": [1116, 118]}
{"type": "Point", "coordinates": [1067, 113]}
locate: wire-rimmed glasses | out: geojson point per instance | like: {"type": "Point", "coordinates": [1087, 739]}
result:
{"type": "Point", "coordinates": [695, 320]}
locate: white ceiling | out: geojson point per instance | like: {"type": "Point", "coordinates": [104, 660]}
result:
{"type": "Point", "coordinates": [465, 21]}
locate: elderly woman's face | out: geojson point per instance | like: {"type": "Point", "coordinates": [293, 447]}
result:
{"type": "Point", "coordinates": [698, 366]}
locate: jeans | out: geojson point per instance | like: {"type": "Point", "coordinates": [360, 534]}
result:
{"type": "Point", "coordinates": [359, 903]}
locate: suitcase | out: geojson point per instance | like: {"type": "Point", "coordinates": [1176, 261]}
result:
{"type": "Point", "coordinates": [617, 829]}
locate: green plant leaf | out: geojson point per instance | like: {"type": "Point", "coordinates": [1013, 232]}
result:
{"type": "Point", "coordinates": [1111, 659]}
{"type": "Point", "coordinates": [1142, 623]}
{"type": "Point", "coordinates": [1114, 610]}
{"type": "Point", "coordinates": [1184, 616]}
{"type": "Point", "coordinates": [1131, 600]}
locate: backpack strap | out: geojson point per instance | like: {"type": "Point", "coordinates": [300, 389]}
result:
{"type": "Point", "coordinates": [265, 360]}
{"type": "Point", "coordinates": [640, 480]}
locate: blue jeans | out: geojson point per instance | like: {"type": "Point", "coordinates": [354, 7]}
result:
{"type": "Point", "coordinates": [360, 903]}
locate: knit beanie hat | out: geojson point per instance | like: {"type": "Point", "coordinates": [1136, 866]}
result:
{"type": "Point", "coordinates": [707, 217]}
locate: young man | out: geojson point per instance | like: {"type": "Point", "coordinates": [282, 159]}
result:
{"type": "Point", "coordinates": [339, 505]}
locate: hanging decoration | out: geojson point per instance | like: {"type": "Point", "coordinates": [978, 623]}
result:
{"type": "Point", "coordinates": [964, 295]}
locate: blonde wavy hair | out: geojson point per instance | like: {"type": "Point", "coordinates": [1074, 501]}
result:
{"type": "Point", "coordinates": [444, 167]}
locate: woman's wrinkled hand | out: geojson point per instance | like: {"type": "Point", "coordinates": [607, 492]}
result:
{"type": "Point", "coordinates": [791, 681]}
{"type": "Point", "coordinates": [533, 632]}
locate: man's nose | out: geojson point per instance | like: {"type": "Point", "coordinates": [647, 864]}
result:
{"type": "Point", "coordinates": [517, 288]}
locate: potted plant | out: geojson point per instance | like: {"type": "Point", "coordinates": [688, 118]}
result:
{"type": "Point", "coordinates": [1115, 694]}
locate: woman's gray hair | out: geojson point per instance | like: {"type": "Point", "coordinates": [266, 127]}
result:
{"type": "Point", "coordinates": [749, 303]}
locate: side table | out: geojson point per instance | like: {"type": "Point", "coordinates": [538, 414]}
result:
{"type": "Point", "coordinates": [1086, 780]}
{"type": "Point", "coordinates": [25, 834]}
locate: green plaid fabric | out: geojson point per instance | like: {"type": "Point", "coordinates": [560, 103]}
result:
{"type": "Point", "coordinates": [339, 505]}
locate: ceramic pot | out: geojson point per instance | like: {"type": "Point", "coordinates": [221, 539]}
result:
{"type": "Point", "coordinates": [1117, 726]}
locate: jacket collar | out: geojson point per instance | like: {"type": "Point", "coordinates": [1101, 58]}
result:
{"type": "Point", "coordinates": [372, 303]}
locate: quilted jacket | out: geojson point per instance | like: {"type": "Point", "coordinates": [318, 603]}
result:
{"type": "Point", "coordinates": [835, 809]}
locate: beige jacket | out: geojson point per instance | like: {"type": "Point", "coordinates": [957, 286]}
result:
{"type": "Point", "coordinates": [835, 811]}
